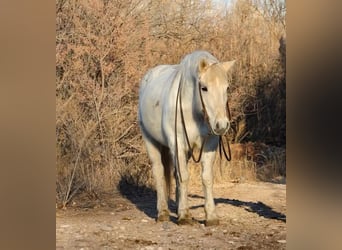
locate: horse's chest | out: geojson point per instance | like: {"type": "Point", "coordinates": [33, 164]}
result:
{"type": "Point", "coordinates": [194, 135]}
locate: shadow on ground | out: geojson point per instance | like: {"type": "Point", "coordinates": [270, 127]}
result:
{"type": "Point", "coordinates": [255, 207]}
{"type": "Point", "coordinates": [145, 199]}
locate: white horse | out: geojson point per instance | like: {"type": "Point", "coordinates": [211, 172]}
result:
{"type": "Point", "coordinates": [181, 107]}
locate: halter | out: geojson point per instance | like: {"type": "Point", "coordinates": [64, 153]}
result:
{"type": "Point", "coordinates": [206, 119]}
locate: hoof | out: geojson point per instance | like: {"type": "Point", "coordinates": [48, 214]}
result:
{"type": "Point", "coordinates": [165, 216]}
{"type": "Point", "coordinates": [187, 220]}
{"type": "Point", "coordinates": [213, 222]}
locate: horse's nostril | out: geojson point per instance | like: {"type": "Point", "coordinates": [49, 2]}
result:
{"type": "Point", "coordinates": [222, 126]}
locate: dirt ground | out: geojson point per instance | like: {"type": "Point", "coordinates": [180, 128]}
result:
{"type": "Point", "coordinates": [252, 216]}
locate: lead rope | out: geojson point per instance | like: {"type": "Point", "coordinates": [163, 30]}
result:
{"type": "Point", "coordinates": [176, 140]}
{"type": "Point", "coordinates": [179, 97]}
{"type": "Point", "coordinates": [229, 155]}
{"type": "Point", "coordinates": [221, 145]}
{"type": "Point", "coordinates": [187, 137]}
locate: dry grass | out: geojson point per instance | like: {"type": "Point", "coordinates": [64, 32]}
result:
{"type": "Point", "coordinates": [250, 162]}
{"type": "Point", "coordinates": [103, 48]}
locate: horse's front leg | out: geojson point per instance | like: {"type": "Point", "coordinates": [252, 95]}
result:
{"type": "Point", "coordinates": [182, 179]}
{"type": "Point", "coordinates": [207, 162]}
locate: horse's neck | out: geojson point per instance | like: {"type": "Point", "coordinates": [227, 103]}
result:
{"type": "Point", "coordinates": [190, 94]}
{"type": "Point", "coordinates": [192, 108]}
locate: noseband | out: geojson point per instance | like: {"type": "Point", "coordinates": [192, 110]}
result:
{"type": "Point", "coordinates": [206, 119]}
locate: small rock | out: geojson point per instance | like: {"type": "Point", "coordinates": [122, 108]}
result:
{"type": "Point", "coordinates": [106, 228]}
{"type": "Point", "coordinates": [144, 220]}
{"type": "Point", "coordinates": [149, 248]}
{"type": "Point", "coordinates": [165, 225]}
{"type": "Point", "coordinates": [225, 231]}
{"type": "Point", "coordinates": [281, 241]}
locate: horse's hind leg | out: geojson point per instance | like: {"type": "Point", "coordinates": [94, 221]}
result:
{"type": "Point", "coordinates": [168, 167]}
{"type": "Point", "coordinates": [154, 151]}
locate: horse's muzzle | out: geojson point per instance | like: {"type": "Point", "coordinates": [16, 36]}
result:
{"type": "Point", "coordinates": [221, 127]}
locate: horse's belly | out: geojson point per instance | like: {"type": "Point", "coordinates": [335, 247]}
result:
{"type": "Point", "coordinates": [152, 97]}
{"type": "Point", "coordinates": [152, 124]}
{"type": "Point", "coordinates": [150, 113]}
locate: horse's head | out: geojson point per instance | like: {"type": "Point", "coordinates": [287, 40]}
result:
{"type": "Point", "coordinates": [213, 85]}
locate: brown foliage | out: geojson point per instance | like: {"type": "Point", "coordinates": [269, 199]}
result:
{"type": "Point", "coordinates": [103, 48]}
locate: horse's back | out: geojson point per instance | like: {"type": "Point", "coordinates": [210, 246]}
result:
{"type": "Point", "coordinates": [158, 93]}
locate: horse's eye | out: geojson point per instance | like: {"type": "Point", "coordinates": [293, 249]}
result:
{"type": "Point", "coordinates": [204, 89]}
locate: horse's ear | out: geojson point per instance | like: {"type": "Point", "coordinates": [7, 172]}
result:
{"type": "Point", "coordinates": [228, 65]}
{"type": "Point", "coordinates": [203, 66]}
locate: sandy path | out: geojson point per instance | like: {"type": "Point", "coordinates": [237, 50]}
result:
{"type": "Point", "coordinates": [253, 216]}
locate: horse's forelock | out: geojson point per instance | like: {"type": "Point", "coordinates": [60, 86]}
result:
{"type": "Point", "coordinates": [191, 63]}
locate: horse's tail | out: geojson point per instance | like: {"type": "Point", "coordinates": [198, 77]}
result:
{"type": "Point", "coordinates": [167, 163]}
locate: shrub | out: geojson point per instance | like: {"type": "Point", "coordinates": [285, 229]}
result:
{"type": "Point", "coordinates": [103, 48]}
